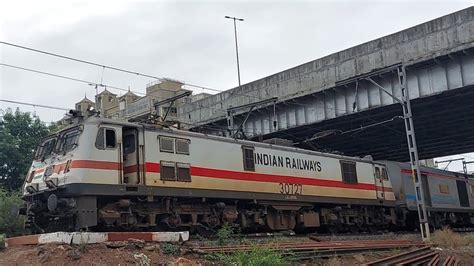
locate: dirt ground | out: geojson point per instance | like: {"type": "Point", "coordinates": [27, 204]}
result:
{"type": "Point", "coordinates": [136, 252]}
{"type": "Point", "coordinates": [95, 254]}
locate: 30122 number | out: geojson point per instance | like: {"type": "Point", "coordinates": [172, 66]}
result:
{"type": "Point", "coordinates": [291, 189]}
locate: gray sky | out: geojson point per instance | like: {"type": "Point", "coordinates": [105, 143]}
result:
{"type": "Point", "coordinates": [185, 40]}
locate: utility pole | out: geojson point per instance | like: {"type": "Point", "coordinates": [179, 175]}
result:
{"type": "Point", "coordinates": [412, 149]}
{"type": "Point", "coordinates": [236, 46]}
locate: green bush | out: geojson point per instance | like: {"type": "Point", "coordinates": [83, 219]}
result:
{"type": "Point", "coordinates": [169, 249]}
{"type": "Point", "coordinates": [2, 242]}
{"type": "Point", "coordinates": [255, 257]}
{"type": "Point", "coordinates": [224, 234]}
{"type": "Point", "coordinates": [10, 223]}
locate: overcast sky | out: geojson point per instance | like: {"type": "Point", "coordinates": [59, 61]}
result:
{"type": "Point", "coordinates": [184, 40]}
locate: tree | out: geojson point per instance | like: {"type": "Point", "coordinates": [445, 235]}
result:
{"type": "Point", "coordinates": [20, 133]}
{"type": "Point", "coordinates": [10, 223]}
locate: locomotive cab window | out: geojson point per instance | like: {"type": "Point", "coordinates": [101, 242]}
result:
{"type": "Point", "coordinates": [68, 140]}
{"type": "Point", "coordinates": [349, 172]}
{"type": "Point", "coordinates": [106, 139]}
{"type": "Point", "coordinates": [182, 146]}
{"type": "Point", "coordinates": [166, 144]}
{"type": "Point", "coordinates": [167, 171]}
{"type": "Point", "coordinates": [249, 163]}
{"type": "Point", "coordinates": [45, 148]}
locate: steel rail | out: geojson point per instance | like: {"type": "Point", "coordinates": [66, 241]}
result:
{"type": "Point", "coordinates": [418, 259]}
{"type": "Point", "coordinates": [395, 259]}
{"type": "Point", "coordinates": [315, 246]}
{"type": "Point", "coordinates": [434, 261]}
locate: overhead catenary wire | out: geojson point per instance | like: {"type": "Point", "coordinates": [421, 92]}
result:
{"type": "Point", "coordinates": [212, 127]}
{"type": "Point", "coordinates": [141, 93]}
{"type": "Point", "coordinates": [103, 66]}
{"type": "Point", "coordinates": [67, 109]}
{"type": "Point", "coordinates": [100, 65]}
{"type": "Point", "coordinates": [36, 105]}
{"type": "Point", "coordinates": [89, 82]}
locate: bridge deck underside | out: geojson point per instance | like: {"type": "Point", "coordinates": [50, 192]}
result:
{"type": "Point", "coordinates": [444, 125]}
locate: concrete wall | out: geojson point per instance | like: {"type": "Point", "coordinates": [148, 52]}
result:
{"type": "Point", "coordinates": [443, 35]}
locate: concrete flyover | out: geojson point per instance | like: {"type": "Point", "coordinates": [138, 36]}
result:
{"type": "Point", "coordinates": [328, 104]}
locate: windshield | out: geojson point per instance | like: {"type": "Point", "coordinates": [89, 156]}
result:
{"type": "Point", "coordinates": [45, 148]}
{"type": "Point", "coordinates": [68, 140]}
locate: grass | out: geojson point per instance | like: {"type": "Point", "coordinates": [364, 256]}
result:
{"type": "Point", "coordinates": [446, 238]}
{"type": "Point", "coordinates": [257, 256]}
{"type": "Point", "coordinates": [224, 234]}
{"type": "Point", "coordinates": [169, 249]}
{"type": "Point", "coordinates": [468, 240]}
{"type": "Point", "coordinates": [142, 259]}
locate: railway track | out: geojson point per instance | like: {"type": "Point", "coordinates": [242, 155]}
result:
{"type": "Point", "coordinates": [312, 250]}
{"type": "Point", "coordinates": [419, 256]}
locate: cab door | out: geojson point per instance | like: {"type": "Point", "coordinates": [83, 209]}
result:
{"type": "Point", "coordinates": [131, 156]}
{"type": "Point", "coordinates": [379, 186]}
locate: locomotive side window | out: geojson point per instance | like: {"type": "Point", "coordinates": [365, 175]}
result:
{"type": "Point", "coordinates": [349, 172]}
{"type": "Point", "coordinates": [166, 144]}
{"type": "Point", "coordinates": [183, 171]}
{"type": "Point", "coordinates": [167, 171]}
{"type": "Point", "coordinates": [105, 139]}
{"type": "Point", "coordinates": [384, 174]}
{"type": "Point", "coordinates": [129, 144]}
{"type": "Point", "coordinates": [182, 146]}
{"type": "Point", "coordinates": [110, 141]}
{"type": "Point", "coordinates": [377, 172]}
{"type": "Point", "coordinates": [249, 163]}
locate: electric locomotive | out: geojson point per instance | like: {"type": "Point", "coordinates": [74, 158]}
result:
{"type": "Point", "coordinates": [102, 174]}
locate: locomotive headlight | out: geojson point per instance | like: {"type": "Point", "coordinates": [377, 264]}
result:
{"type": "Point", "coordinates": [51, 182]}
{"type": "Point", "coordinates": [32, 188]}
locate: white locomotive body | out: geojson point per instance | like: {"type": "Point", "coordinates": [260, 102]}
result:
{"type": "Point", "coordinates": [107, 174]}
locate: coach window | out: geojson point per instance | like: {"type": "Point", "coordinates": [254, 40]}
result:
{"type": "Point", "coordinates": [183, 171]}
{"type": "Point", "coordinates": [166, 144]}
{"type": "Point", "coordinates": [349, 172]}
{"type": "Point", "coordinates": [106, 139]}
{"type": "Point", "coordinates": [182, 146]}
{"type": "Point", "coordinates": [249, 164]}
{"type": "Point", "coordinates": [167, 171]}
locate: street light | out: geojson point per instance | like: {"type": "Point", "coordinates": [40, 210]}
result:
{"type": "Point", "coordinates": [236, 46]}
